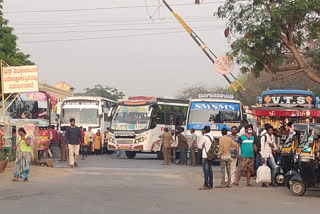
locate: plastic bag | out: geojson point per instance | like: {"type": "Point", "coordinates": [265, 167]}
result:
{"type": "Point", "coordinates": [263, 174]}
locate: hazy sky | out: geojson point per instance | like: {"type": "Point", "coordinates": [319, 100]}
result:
{"type": "Point", "coordinates": [157, 65]}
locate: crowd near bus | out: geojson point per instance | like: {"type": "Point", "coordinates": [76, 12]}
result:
{"type": "Point", "coordinates": [213, 127]}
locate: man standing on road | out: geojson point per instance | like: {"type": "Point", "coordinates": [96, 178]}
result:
{"type": "Point", "coordinates": [225, 143]}
{"type": "Point", "coordinates": [206, 142]}
{"type": "Point", "coordinates": [73, 138]}
{"type": "Point", "coordinates": [247, 147]}
{"type": "Point", "coordinates": [234, 155]}
{"type": "Point", "coordinates": [91, 135]}
{"type": "Point", "coordinates": [85, 144]}
{"type": "Point", "coordinates": [183, 147]}
{"type": "Point", "coordinates": [173, 147]}
{"type": "Point", "coordinates": [167, 140]}
{"type": "Point", "coordinates": [268, 145]}
{"type": "Point", "coordinates": [199, 149]}
{"type": "Point", "coordinates": [193, 146]}
{"type": "Point", "coordinates": [54, 137]}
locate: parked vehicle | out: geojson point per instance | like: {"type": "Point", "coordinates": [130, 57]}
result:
{"type": "Point", "coordinates": [307, 174]}
{"type": "Point", "coordinates": [139, 121]}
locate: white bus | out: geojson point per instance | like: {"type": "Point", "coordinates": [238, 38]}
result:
{"type": "Point", "coordinates": [138, 123]}
{"type": "Point", "coordinates": [217, 110]}
{"type": "Point", "coordinates": [87, 111]}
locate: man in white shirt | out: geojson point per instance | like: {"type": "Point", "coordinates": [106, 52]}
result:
{"type": "Point", "coordinates": [193, 146]}
{"type": "Point", "coordinates": [268, 145]}
{"type": "Point", "coordinates": [205, 143]}
{"type": "Point", "coordinates": [199, 148]}
{"type": "Point", "coordinates": [91, 135]}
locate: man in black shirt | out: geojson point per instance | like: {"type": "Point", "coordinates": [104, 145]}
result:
{"type": "Point", "coordinates": [73, 138]}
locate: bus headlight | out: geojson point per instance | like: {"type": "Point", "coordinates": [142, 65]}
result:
{"type": "Point", "coordinates": [111, 140]}
{"type": "Point", "coordinates": [139, 140]}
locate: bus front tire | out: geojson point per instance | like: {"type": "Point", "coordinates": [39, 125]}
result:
{"type": "Point", "coordinates": [130, 155]}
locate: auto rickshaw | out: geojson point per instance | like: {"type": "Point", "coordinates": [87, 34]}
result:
{"type": "Point", "coordinates": [287, 152]}
{"type": "Point", "coordinates": [307, 174]}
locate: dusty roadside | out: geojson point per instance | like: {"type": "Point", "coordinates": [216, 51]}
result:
{"type": "Point", "coordinates": [37, 174]}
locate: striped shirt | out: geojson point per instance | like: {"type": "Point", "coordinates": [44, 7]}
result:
{"type": "Point", "coordinates": [246, 146]}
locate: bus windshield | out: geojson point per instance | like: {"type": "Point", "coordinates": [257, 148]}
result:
{"type": "Point", "coordinates": [29, 105]}
{"type": "Point", "coordinates": [131, 118]}
{"type": "Point", "coordinates": [208, 113]}
{"type": "Point", "coordinates": [81, 116]}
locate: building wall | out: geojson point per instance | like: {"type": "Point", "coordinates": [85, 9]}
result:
{"type": "Point", "coordinates": [58, 93]}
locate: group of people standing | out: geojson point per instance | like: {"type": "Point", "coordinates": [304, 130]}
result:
{"type": "Point", "coordinates": [74, 138]}
{"type": "Point", "coordinates": [92, 143]}
{"type": "Point", "coordinates": [242, 146]}
{"type": "Point", "coordinates": [169, 147]}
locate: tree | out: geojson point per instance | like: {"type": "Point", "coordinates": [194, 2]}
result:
{"type": "Point", "coordinates": [275, 35]}
{"type": "Point", "coordinates": [256, 85]}
{"type": "Point", "coordinates": [193, 91]}
{"type": "Point", "coordinates": [103, 91]}
{"type": "Point", "coordinates": [8, 44]}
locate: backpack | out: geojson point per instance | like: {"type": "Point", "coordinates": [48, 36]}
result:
{"type": "Point", "coordinates": [258, 141]}
{"type": "Point", "coordinates": [213, 152]}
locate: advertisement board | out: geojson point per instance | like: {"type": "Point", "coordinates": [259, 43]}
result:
{"type": "Point", "coordinates": [18, 79]}
{"type": "Point", "coordinates": [215, 106]}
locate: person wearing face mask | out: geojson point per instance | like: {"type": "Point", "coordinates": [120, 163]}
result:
{"type": "Point", "coordinates": [248, 148]}
{"type": "Point", "coordinates": [268, 146]}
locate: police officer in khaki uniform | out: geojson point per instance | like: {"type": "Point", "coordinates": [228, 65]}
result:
{"type": "Point", "coordinates": [167, 140]}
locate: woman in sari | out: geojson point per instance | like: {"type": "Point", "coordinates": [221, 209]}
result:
{"type": "Point", "coordinates": [97, 142]}
{"type": "Point", "coordinates": [23, 156]}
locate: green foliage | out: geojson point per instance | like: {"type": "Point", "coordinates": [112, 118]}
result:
{"type": "Point", "coordinates": [193, 91]}
{"type": "Point", "coordinates": [8, 44]}
{"type": "Point", "coordinates": [104, 91]}
{"type": "Point", "coordinates": [261, 27]}
{"type": "Point", "coordinates": [255, 86]}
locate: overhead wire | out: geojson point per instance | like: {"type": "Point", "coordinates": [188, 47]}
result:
{"type": "Point", "coordinates": [101, 25]}
{"type": "Point", "coordinates": [102, 30]}
{"type": "Point", "coordinates": [100, 8]}
{"type": "Point", "coordinates": [147, 10]}
{"type": "Point", "coordinates": [107, 21]}
{"type": "Point", "coordinates": [111, 37]}
{"type": "Point", "coordinates": [66, 22]}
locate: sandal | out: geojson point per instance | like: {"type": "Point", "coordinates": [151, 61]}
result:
{"type": "Point", "coordinates": [203, 188]}
{"type": "Point", "coordinates": [25, 180]}
{"type": "Point", "coordinates": [15, 179]}
{"type": "Point", "coordinates": [249, 185]}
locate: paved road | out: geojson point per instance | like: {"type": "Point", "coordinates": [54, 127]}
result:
{"type": "Point", "coordinates": [105, 184]}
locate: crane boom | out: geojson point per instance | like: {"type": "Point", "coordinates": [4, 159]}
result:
{"type": "Point", "coordinates": [206, 51]}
